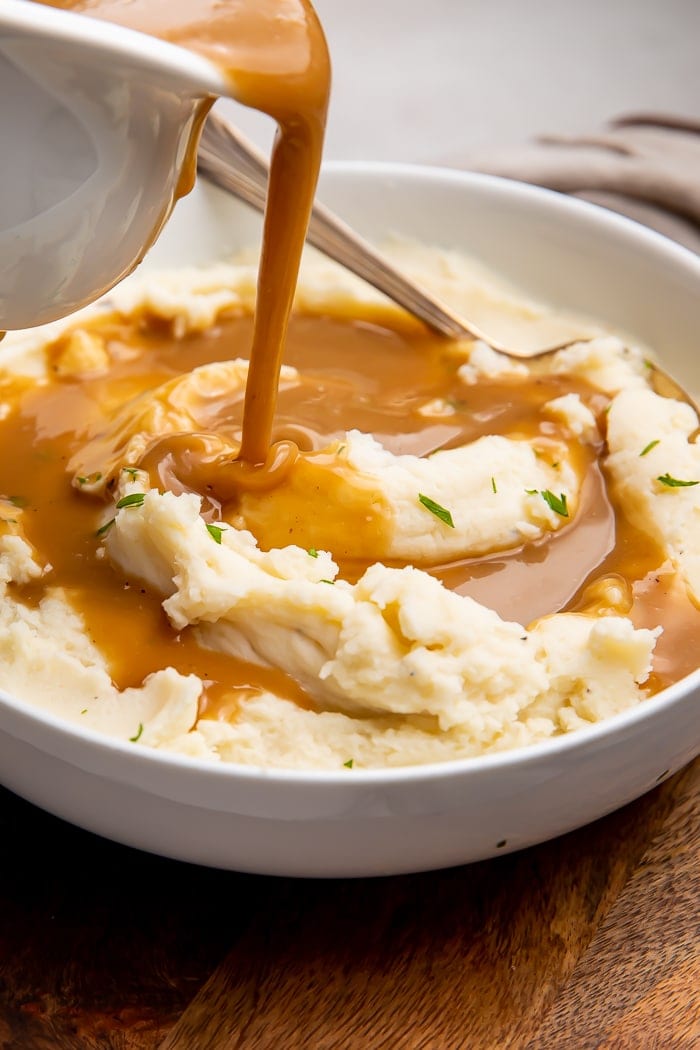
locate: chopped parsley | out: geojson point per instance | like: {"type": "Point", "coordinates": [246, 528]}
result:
{"type": "Point", "coordinates": [132, 471]}
{"type": "Point", "coordinates": [556, 503]}
{"type": "Point", "coordinates": [139, 731]}
{"type": "Point", "coordinates": [675, 483]}
{"type": "Point", "coordinates": [105, 528]}
{"type": "Point", "coordinates": [89, 479]}
{"type": "Point", "coordinates": [440, 512]}
{"type": "Point", "coordinates": [134, 499]}
{"type": "Point", "coordinates": [327, 581]}
{"type": "Point", "coordinates": [649, 447]}
{"type": "Point", "coordinates": [348, 764]}
{"type": "Point", "coordinates": [493, 484]}
{"type": "Point", "coordinates": [215, 532]}
{"type": "Point", "coordinates": [312, 552]}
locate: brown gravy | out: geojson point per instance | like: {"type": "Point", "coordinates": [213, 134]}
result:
{"type": "Point", "coordinates": [358, 373]}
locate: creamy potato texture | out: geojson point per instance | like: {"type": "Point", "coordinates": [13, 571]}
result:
{"type": "Point", "coordinates": [466, 555]}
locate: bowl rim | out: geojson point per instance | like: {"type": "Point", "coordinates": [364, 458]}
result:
{"type": "Point", "coordinates": [607, 731]}
{"type": "Point", "coordinates": [501, 185]}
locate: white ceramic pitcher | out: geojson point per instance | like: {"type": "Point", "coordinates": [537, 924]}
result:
{"type": "Point", "coordinates": [95, 122]}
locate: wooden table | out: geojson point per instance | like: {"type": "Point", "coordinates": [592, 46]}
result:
{"type": "Point", "coordinates": [589, 941]}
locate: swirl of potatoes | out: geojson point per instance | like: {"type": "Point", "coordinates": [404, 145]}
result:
{"type": "Point", "coordinates": [353, 498]}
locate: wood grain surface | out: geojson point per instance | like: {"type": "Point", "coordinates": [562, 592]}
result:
{"type": "Point", "coordinates": [592, 940]}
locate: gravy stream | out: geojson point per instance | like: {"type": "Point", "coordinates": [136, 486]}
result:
{"type": "Point", "coordinates": [274, 56]}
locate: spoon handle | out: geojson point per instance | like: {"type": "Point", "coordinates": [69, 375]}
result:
{"type": "Point", "coordinates": [235, 164]}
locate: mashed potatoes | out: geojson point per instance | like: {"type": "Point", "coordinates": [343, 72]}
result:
{"type": "Point", "coordinates": [330, 584]}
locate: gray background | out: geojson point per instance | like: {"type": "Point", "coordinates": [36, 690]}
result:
{"type": "Point", "coordinates": [441, 80]}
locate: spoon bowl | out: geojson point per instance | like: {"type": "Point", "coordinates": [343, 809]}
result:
{"type": "Point", "coordinates": [99, 126]}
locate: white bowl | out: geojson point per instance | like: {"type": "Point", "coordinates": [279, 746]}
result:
{"type": "Point", "coordinates": [390, 821]}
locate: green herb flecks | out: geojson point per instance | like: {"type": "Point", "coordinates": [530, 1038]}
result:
{"type": "Point", "coordinates": [215, 531]}
{"type": "Point", "coordinates": [440, 512]}
{"type": "Point", "coordinates": [89, 479]}
{"type": "Point", "coordinates": [349, 764]}
{"type": "Point", "coordinates": [493, 485]}
{"type": "Point", "coordinates": [312, 552]}
{"type": "Point", "coordinates": [556, 503]}
{"type": "Point", "coordinates": [104, 529]}
{"type": "Point", "coordinates": [649, 447]}
{"type": "Point", "coordinates": [676, 483]}
{"type": "Point", "coordinates": [139, 731]}
{"type": "Point", "coordinates": [134, 499]}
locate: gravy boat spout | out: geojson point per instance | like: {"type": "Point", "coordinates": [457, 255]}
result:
{"type": "Point", "coordinates": [99, 127]}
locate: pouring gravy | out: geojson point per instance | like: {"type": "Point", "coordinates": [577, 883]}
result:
{"type": "Point", "coordinates": [274, 57]}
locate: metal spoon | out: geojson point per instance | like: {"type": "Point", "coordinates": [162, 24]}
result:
{"type": "Point", "coordinates": [235, 164]}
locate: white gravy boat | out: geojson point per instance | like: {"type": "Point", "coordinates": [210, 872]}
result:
{"type": "Point", "coordinates": [95, 126]}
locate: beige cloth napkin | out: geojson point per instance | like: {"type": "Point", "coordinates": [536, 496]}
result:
{"type": "Point", "coordinates": [646, 166]}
